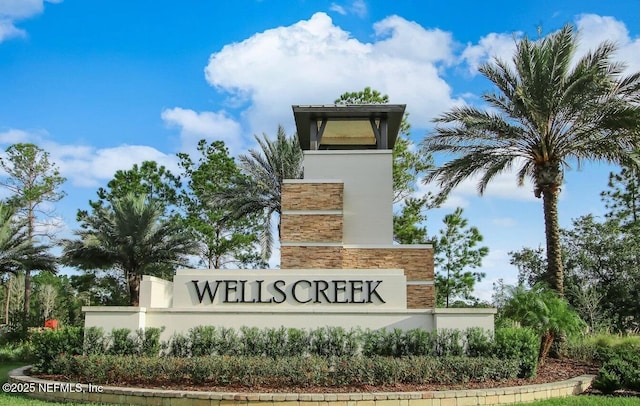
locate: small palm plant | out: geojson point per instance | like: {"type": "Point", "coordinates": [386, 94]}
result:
{"type": "Point", "coordinates": [544, 311]}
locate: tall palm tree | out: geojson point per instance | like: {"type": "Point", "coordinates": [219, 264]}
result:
{"type": "Point", "coordinates": [18, 252]}
{"type": "Point", "coordinates": [550, 109]}
{"type": "Point", "coordinates": [260, 191]}
{"type": "Point", "coordinates": [132, 236]}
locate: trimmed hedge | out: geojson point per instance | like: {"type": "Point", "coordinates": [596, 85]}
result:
{"type": "Point", "coordinates": [507, 344]}
{"type": "Point", "coordinates": [620, 371]}
{"type": "Point", "coordinates": [254, 371]}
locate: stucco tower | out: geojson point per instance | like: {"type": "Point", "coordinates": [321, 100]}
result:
{"type": "Point", "coordinates": [340, 215]}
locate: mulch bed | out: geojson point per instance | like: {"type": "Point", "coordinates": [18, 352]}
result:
{"type": "Point", "coordinates": [552, 371]}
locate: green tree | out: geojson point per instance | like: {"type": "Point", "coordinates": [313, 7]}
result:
{"type": "Point", "coordinates": [65, 303]}
{"type": "Point", "coordinates": [545, 312]}
{"type": "Point", "coordinates": [549, 110]}
{"type": "Point", "coordinates": [623, 197]}
{"type": "Point", "coordinates": [408, 166]}
{"type": "Point", "coordinates": [407, 227]}
{"type": "Point", "coordinates": [604, 256]}
{"type": "Point", "coordinates": [131, 236]}
{"type": "Point", "coordinates": [260, 191]}
{"type": "Point", "coordinates": [602, 276]}
{"type": "Point", "coordinates": [33, 180]}
{"type": "Point", "coordinates": [456, 251]}
{"type": "Point", "coordinates": [19, 253]}
{"type": "Point", "coordinates": [147, 179]}
{"type": "Point", "coordinates": [531, 264]}
{"type": "Point", "coordinates": [98, 287]}
{"type": "Point", "coordinates": [223, 239]}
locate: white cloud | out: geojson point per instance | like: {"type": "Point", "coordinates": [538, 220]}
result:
{"type": "Point", "coordinates": [208, 125]}
{"type": "Point", "coordinates": [8, 30]}
{"type": "Point", "coordinates": [338, 9]}
{"type": "Point", "coordinates": [13, 136]}
{"type": "Point", "coordinates": [502, 186]}
{"type": "Point", "coordinates": [493, 45]}
{"type": "Point", "coordinates": [594, 29]}
{"type": "Point", "coordinates": [357, 7]}
{"type": "Point", "coordinates": [15, 10]}
{"type": "Point", "coordinates": [85, 166]}
{"type": "Point", "coordinates": [314, 61]}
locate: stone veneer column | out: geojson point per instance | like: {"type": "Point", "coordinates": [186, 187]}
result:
{"type": "Point", "coordinates": [415, 260]}
{"type": "Point", "coordinates": [311, 224]}
{"type": "Point", "coordinates": [312, 238]}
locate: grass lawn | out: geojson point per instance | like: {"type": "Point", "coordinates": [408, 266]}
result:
{"type": "Point", "coordinates": [14, 400]}
{"type": "Point", "coordinates": [588, 400]}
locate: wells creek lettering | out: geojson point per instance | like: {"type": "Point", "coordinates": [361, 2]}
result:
{"type": "Point", "coordinates": [301, 291]}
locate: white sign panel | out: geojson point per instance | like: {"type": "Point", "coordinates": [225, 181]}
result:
{"type": "Point", "coordinates": [363, 289]}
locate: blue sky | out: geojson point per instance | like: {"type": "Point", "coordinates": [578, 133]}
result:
{"type": "Point", "coordinates": [102, 85]}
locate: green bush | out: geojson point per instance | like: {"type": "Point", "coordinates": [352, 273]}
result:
{"type": "Point", "coordinates": [419, 342]}
{"type": "Point", "coordinates": [520, 344]}
{"type": "Point", "coordinates": [149, 341]}
{"type": "Point", "coordinates": [14, 352]}
{"type": "Point", "coordinates": [448, 343]}
{"type": "Point", "coordinates": [95, 341]}
{"type": "Point", "coordinates": [298, 342]}
{"type": "Point", "coordinates": [384, 343]}
{"type": "Point", "coordinates": [601, 347]}
{"type": "Point", "coordinates": [202, 341]}
{"type": "Point", "coordinates": [478, 342]}
{"type": "Point", "coordinates": [49, 344]}
{"type": "Point", "coordinates": [334, 342]}
{"type": "Point", "coordinates": [178, 346]}
{"type": "Point", "coordinates": [123, 342]}
{"type": "Point", "coordinates": [622, 371]}
{"type": "Point", "coordinates": [298, 371]}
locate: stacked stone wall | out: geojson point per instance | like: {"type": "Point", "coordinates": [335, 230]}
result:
{"type": "Point", "coordinates": [312, 196]}
{"type": "Point", "coordinates": [312, 216]}
{"type": "Point", "coordinates": [311, 228]}
{"type": "Point", "coordinates": [309, 257]}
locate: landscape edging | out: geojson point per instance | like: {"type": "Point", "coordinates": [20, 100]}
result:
{"type": "Point", "coordinates": [66, 391]}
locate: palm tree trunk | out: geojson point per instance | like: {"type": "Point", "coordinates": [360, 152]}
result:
{"type": "Point", "coordinates": [134, 290]}
{"type": "Point", "coordinates": [8, 300]}
{"type": "Point", "coordinates": [545, 345]}
{"type": "Point", "coordinates": [552, 232]}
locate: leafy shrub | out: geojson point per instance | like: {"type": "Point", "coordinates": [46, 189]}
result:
{"type": "Point", "coordinates": [520, 344]}
{"type": "Point", "coordinates": [611, 346]}
{"type": "Point", "coordinates": [252, 341]}
{"type": "Point", "coordinates": [149, 341]}
{"type": "Point", "coordinates": [298, 342]}
{"type": "Point", "coordinates": [123, 342]}
{"type": "Point", "coordinates": [275, 342]}
{"type": "Point", "coordinates": [202, 340]}
{"type": "Point", "coordinates": [382, 342]}
{"type": "Point", "coordinates": [178, 346]}
{"type": "Point", "coordinates": [298, 371]}
{"type": "Point", "coordinates": [333, 342]}
{"type": "Point", "coordinates": [448, 342]}
{"type": "Point", "coordinates": [12, 352]}
{"type": "Point", "coordinates": [622, 371]}
{"type": "Point", "coordinates": [48, 344]}
{"type": "Point", "coordinates": [419, 342]}
{"type": "Point", "coordinates": [95, 341]}
{"type": "Point", "coordinates": [478, 342]}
